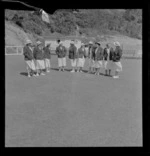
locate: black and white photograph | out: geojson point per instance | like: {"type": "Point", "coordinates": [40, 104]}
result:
{"type": "Point", "coordinates": [73, 77]}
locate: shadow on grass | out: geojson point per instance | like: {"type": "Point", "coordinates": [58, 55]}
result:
{"type": "Point", "coordinates": [56, 69]}
{"type": "Point", "coordinates": [105, 75]}
{"type": "Point", "coordinates": [24, 73]}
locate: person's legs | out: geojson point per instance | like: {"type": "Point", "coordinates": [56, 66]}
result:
{"type": "Point", "coordinates": [78, 64]}
{"type": "Point", "coordinates": [37, 68]}
{"type": "Point", "coordinates": [90, 63]}
{"type": "Point", "coordinates": [105, 67]}
{"type": "Point", "coordinates": [73, 62]}
{"type": "Point", "coordinates": [33, 67]}
{"type": "Point", "coordinates": [64, 63]}
{"type": "Point", "coordinates": [118, 69]}
{"type": "Point", "coordinates": [47, 64]}
{"type": "Point", "coordinates": [28, 71]}
{"type": "Point", "coordinates": [29, 68]}
{"type": "Point", "coordinates": [59, 64]}
{"type": "Point", "coordinates": [42, 66]}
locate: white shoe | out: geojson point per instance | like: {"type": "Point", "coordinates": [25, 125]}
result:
{"type": "Point", "coordinates": [42, 74]}
{"type": "Point", "coordinates": [115, 77]}
{"type": "Point", "coordinates": [72, 71]}
{"type": "Point", "coordinates": [48, 71]}
{"type": "Point", "coordinates": [29, 76]}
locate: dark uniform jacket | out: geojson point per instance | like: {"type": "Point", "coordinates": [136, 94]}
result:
{"type": "Point", "coordinates": [61, 52]}
{"type": "Point", "coordinates": [72, 52]}
{"type": "Point", "coordinates": [28, 54]}
{"type": "Point", "coordinates": [93, 55]}
{"type": "Point", "coordinates": [110, 54]}
{"type": "Point", "coordinates": [117, 54]}
{"type": "Point", "coordinates": [81, 53]}
{"type": "Point", "coordinates": [47, 53]}
{"type": "Point", "coordinates": [91, 52]}
{"type": "Point", "coordinates": [38, 54]}
{"type": "Point", "coordinates": [99, 54]}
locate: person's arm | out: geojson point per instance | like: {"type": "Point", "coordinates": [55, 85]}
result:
{"type": "Point", "coordinates": [84, 53]}
{"type": "Point", "coordinates": [102, 54]}
{"type": "Point", "coordinates": [56, 51]}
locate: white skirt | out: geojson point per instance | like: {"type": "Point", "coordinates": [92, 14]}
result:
{"type": "Point", "coordinates": [98, 64]}
{"type": "Point", "coordinates": [118, 66]}
{"type": "Point", "coordinates": [61, 62]}
{"type": "Point", "coordinates": [80, 62]}
{"type": "Point", "coordinates": [73, 62]}
{"type": "Point", "coordinates": [40, 64]}
{"type": "Point", "coordinates": [30, 65]}
{"type": "Point", "coordinates": [91, 63]}
{"type": "Point", "coordinates": [47, 63]}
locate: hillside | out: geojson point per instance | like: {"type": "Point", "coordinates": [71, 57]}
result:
{"type": "Point", "coordinates": [105, 25]}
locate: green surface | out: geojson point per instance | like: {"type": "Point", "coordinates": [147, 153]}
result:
{"type": "Point", "coordinates": [72, 109]}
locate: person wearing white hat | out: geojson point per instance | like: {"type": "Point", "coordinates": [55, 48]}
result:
{"type": "Point", "coordinates": [90, 56]}
{"type": "Point", "coordinates": [98, 58]}
{"type": "Point", "coordinates": [81, 58]}
{"type": "Point", "coordinates": [61, 52]}
{"type": "Point", "coordinates": [29, 59]}
{"type": "Point", "coordinates": [116, 59]}
{"type": "Point", "coordinates": [108, 63]}
{"type": "Point", "coordinates": [39, 57]}
{"type": "Point", "coordinates": [73, 56]}
{"type": "Point", "coordinates": [47, 57]}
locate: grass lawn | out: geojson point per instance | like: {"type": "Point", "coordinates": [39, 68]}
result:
{"type": "Point", "coordinates": [72, 109]}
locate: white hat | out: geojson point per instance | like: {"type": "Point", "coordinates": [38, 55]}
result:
{"type": "Point", "coordinates": [98, 43]}
{"type": "Point", "coordinates": [90, 42]}
{"type": "Point", "coordinates": [28, 42]}
{"type": "Point", "coordinates": [117, 43]}
{"type": "Point", "coordinates": [72, 42]}
{"type": "Point", "coordinates": [38, 42]}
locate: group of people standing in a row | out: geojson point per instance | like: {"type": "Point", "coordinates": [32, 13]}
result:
{"type": "Point", "coordinates": [38, 58]}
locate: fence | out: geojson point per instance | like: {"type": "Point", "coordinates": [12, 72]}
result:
{"type": "Point", "coordinates": [13, 50]}
{"type": "Point", "coordinates": [18, 50]}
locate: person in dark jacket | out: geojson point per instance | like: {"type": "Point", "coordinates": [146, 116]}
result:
{"type": "Point", "coordinates": [39, 57]}
{"type": "Point", "coordinates": [73, 56]}
{"type": "Point", "coordinates": [98, 58]}
{"type": "Point", "coordinates": [47, 57]}
{"type": "Point", "coordinates": [108, 57]}
{"type": "Point", "coordinates": [81, 54]}
{"type": "Point", "coordinates": [29, 59]}
{"type": "Point", "coordinates": [91, 56]}
{"type": "Point", "coordinates": [61, 52]}
{"type": "Point", "coordinates": [116, 59]}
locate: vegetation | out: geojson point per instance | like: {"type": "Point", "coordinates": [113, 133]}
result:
{"type": "Point", "coordinates": [85, 21]}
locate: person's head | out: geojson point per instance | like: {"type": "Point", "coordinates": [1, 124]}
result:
{"type": "Point", "coordinates": [28, 43]}
{"type": "Point", "coordinates": [58, 41]}
{"type": "Point", "coordinates": [117, 44]}
{"type": "Point", "coordinates": [39, 44]}
{"type": "Point", "coordinates": [107, 45]}
{"type": "Point", "coordinates": [90, 43]}
{"type": "Point", "coordinates": [98, 44]}
{"type": "Point", "coordinates": [72, 43]}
